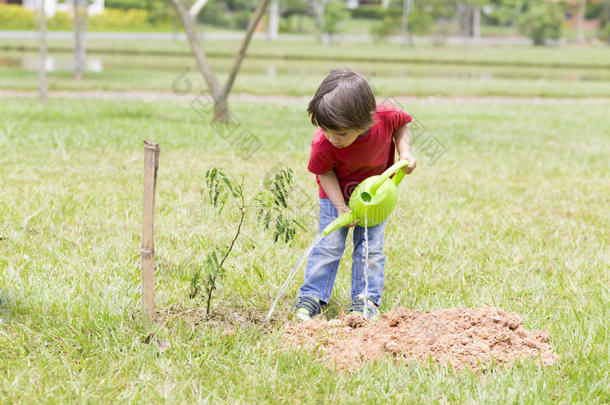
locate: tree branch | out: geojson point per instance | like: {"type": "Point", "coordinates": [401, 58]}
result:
{"type": "Point", "coordinates": [196, 8]}
{"type": "Point", "coordinates": [202, 62]}
{"type": "Point", "coordinates": [244, 45]}
{"type": "Point", "coordinates": [242, 209]}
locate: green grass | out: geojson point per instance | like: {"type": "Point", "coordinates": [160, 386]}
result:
{"type": "Point", "coordinates": [528, 180]}
{"type": "Point", "coordinates": [271, 68]}
{"type": "Point", "coordinates": [279, 67]}
{"type": "Point", "coordinates": [570, 56]}
{"type": "Point", "coordinates": [262, 83]}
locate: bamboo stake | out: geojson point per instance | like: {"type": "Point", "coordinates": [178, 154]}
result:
{"type": "Point", "coordinates": [151, 164]}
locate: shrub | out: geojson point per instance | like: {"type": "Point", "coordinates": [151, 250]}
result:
{"type": "Point", "coordinates": [386, 27]}
{"type": "Point", "coordinates": [504, 13]}
{"type": "Point", "coordinates": [604, 33]}
{"type": "Point", "coordinates": [214, 14]}
{"type": "Point", "coordinates": [60, 21]}
{"type": "Point", "coordinates": [333, 14]}
{"type": "Point", "coordinates": [14, 17]}
{"type": "Point", "coordinates": [289, 8]}
{"type": "Point", "coordinates": [127, 4]}
{"type": "Point", "coordinates": [420, 22]}
{"type": "Point", "coordinates": [112, 18]}
{"type": "Point", "coordinates": [241, 5]}
{"type": "Point", "coordinates": [370, 11]}
{"type": "Point", "coordinates": [161, 13]}
{"type": "Point", "coordinates": [240, 20]}
{"type": "Point", "coordinates": [541, 22]}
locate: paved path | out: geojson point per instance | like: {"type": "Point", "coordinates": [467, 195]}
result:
{"type": "Point", "coordinates": [281, 99]}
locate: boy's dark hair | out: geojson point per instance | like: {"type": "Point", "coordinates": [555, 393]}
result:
{"type": "Point", "coordinates": [344, 100]}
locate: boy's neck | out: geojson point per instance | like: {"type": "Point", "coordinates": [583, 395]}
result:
{"type": "Point", "coordinates": [364, 133]}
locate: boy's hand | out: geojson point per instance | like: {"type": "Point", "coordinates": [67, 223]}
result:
{"type": "Point", "coordinates": [342, 210]}
{"type": "Point", "coordinates": [412, 163]}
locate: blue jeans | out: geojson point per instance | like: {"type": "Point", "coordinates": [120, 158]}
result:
{"type": "Point", "coordinates": [323, 262]}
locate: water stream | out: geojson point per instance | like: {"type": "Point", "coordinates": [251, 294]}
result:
{"type": "Point", "coordinates": [296, 267]}
{"type": "Point", "coordinates": [366, 265]}
{"type": "Point", "coordinates": [291, 276]}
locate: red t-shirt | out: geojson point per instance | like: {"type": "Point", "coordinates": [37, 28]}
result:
{"type": "Point", "coordinates": [367, 156]}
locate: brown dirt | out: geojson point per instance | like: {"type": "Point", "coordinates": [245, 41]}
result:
{"type": "Point", "coordinates": [462, 338]}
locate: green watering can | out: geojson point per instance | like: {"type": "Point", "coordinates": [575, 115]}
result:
{"type": "Point", "coordinates": [376, 197]}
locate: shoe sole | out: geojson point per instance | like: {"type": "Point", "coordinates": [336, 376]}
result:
{"type": "Point", "coordinates": [373, 318]}
{"type": "Point", "coordinates": [302, 315]}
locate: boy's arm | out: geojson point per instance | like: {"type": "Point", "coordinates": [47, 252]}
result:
{"type": "Point", "coordinates": [401, 137]}
{"type": "Point", "coordinates": [330, 184]}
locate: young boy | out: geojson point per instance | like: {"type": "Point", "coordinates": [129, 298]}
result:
{"type": "Point", "coordinates": [355, 140]}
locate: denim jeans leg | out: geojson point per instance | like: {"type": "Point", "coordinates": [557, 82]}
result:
{"type": "Point", "coordinates": [376, 262]}
{"type": "Point", "coordinates": [323, 262]}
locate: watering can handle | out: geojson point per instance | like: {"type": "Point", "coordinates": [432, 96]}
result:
{"type": "Point", "coordinates": [395, 170]}
{"type": "Point", "coordinates": [398, 176]}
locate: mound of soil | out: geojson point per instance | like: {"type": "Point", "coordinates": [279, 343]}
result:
{"type": "Point", "coordinates": [463, 338]}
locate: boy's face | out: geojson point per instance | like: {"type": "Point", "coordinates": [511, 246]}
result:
{"type": "Point", "coordinates": [344, 137]}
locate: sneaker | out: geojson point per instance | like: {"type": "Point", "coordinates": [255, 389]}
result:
{"type": "Point", "coordinates": [372, 313]}
{"type": "Point", "coordinates": [306, 308]}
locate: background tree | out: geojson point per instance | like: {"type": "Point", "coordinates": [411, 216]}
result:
{"type": "Point", "coordinates": [604, 17]}
{"type": "Point", "coordinates": [406, 9]}
{"type": "Point", "coordinates": [42, 70]}
{"type": "Point", "coordinates": [505, 12]}
{"type": "Point", "coordinates": [419, 20]}
{"type": "Point", "coordinates": [274, 20]}
{"type": "Point", "coordinates": [80, 44]}
{"type": "Point", "coordinates": [298, 9]}
{"type": "Point", "coordinates": [469, 19]}
{"type": "Point", "coordinates": [580, 25]}
{"type": "Point", "coordinates": [219, 93]}
{"type": "Point", "coordinates": [334, 13]}
{"type": "Point", "coordinates": [318, 7]}
{"type": "Point", "coordinates": [196, 8]}
{"type": "Point", "coordinates": [541, 21]}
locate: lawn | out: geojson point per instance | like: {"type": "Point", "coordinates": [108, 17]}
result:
{"type": "Point", "coordinates": [271, 68]}
{"type": "Point", "coordinates": [263, 83]}
{"type": "Point", "coordinates": [568, 56]}
{"type": "Point", "coordinates": [514, 215]}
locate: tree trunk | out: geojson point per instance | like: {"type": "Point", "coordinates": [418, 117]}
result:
{"type": "Point", "coordinates": [581, 21]}
{"type": "Point", "coordinates": [476, 25]}
{"type": "Point", "coordinates": [200, 58]}
{"type": "Point", "coordinates": [244, 45]}
{"type": "Point", "coordinates": [274, 20]}
{"type": "Point", "coordinates": [464, 14]}
{"type": "Point", "coordinates": [80, 45]}
{"type": "Point", "coordinates": [219, 94]}
{"type": "Point", "coordinates": [406, 10]}
{"type": "Point", "coordinates": [606, 19]}
{"type": "Point", "coordinates": [42, 71]}
{"type": "Point", "coordinates": [196, 8]}
{"type": "Point", "coordinates": [318, 12]}
{"type": "Point", "coordinates": [221, 110]}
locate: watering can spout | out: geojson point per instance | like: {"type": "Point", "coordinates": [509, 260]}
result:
{"type": "Point", "coordinates": [341, 221]}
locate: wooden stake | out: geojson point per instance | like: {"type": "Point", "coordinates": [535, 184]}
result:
{"type": "Point", "coordinates": [151, 164]}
